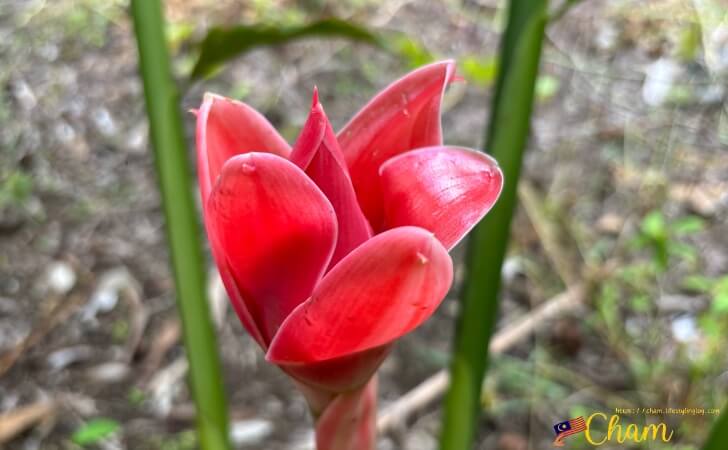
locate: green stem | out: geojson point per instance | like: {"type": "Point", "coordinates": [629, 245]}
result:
{"type": "Point", "coordinates": [173, 173]}
{"type": "Point", "coordinates": [718, 438]}
{"type": "Point", "coordinates": [506, 139]}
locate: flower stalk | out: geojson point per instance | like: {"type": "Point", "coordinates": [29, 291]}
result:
{"type": "Point", "coordinates": [173, 172]}
{"type": "Point", "coordinates": [506, 138]}
{"type": "Point", "coordinates": [718, 433]}
{"type": "Point", "coordinates": [348, 421]}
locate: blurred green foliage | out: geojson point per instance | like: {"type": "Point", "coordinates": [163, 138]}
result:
{"type": "Point", "coordinates": [480, 70]}
{"type": "Point", "coordinates": [222, 44]}
{"type": "Point", "coordinates": [634, 292]}
{"type": "Point", "coordinates": [689, 42]}
{"type": "Point", "coordinates": [15, 189]}
{"type": "Point", "coordinates": [84, 22]}
{"type": "Point", "coordinates": [547, 87]}
{"type": "Point", "coordinates": [663, 238]}
{"type": "Point", "coordinates": [412, 51]}
{"type": "Point", "coordinates": [719, 434]}
{"type": "Point", "coordinates": [95, 431]}
{"type": "Point", "coordinates": [186, 440]}
{"type": "Point", "coordinates": [136, 396]}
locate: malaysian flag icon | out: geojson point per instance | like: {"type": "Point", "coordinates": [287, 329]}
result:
{"type": "Point", "coordinates": [567, 428]}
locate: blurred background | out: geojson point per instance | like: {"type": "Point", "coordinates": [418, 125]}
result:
{"type": "Point", "coordinates": [625, 194]}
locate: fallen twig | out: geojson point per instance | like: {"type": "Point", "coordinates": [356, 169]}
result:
{"type": "Point", "coordinates": [165, 385]}
{"type": "Point", "coordinates": [167, 337]}
{"type": "Point", "coordinates": [397, 413]}
{"type": "Point", "coordinates": [62, 309]}
{"type": "Point", "coordinates": [15, 422]}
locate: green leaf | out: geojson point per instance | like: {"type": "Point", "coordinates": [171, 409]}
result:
{"type": "Point", "coordinates": [15, 189]}
{"type": "Point", "coordinates": [640, 303]}
{"type": "Point", "coordinates": [222, 44]}
{"type": "Point", "coordinates": [411, 50]}
{"type": "Point", "coordinates": [94, 431]}
{"type": "Point", "coordinates": [481, 71]}
{"type": "Point", "coordinates": [655, 229]}
{"type": "Point", "coordinates": [721, 285]}
{"type": "Point", "coordinates": [720, 303]}
{"type": "Point", "coordinates": [710, 325]}
{"type": "Point", "coordinates": [689, 42]}
{"type": "Point", "coordinates": [698, 283]}
{"type": "Point", "coordinates": [641, 366]}
{"type": "Point", "coordinates": [688, 225]}
{"type": "Point", "coordinates": [654, 226]}
{"type": "Point", "coordinates": [638, 275]}
{"type": "Point", "coordinates": [608, 306]}
{"type": "Point", "coordinates": [683, 251]}
{"type": "Point", "coordinates": [177, 33]}
{"type": "Point", "coordinates": [547, 87]}
{"type": "Point", "coordinates": [136, 396]}
{"type": "Point", "coordinates": [720, 295]}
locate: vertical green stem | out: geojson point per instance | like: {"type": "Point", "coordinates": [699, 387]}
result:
{"type": "Point", "coordinates": [173, 173]}
{"type": "Point", "coordinates": [718, 439]}
{"type": "Point", "coordinates": [506, 139]}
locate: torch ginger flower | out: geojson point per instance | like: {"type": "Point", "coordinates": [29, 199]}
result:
{"type": "Point", "coordinates": [334, 248]}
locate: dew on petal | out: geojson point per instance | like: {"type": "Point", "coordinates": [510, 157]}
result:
{"type": "Point", "coordinates": [247, 168]}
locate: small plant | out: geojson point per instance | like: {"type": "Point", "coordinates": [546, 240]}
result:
{"type": "Point", "coordinates": [15, 189]}
{"type": "Point", "coordinates": [95, 431]}
{"type": "Point", "coordinates": [662, 237]}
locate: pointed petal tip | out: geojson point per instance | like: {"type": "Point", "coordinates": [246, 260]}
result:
{"type": "Point", "coordinates": [448, 65]}
{"type": "Point", "coordinates": [450, 69]}
{"type": "Point", "coordinates": [209, 97]}
{"type": "Point", "coordinates": [404, 116]}
{"type": "Point", "coordinates": [315, 97]}
{"type": "Point", "coordinates": [201, 113]}
{"type": "Point", "coordinates": [444, 189]}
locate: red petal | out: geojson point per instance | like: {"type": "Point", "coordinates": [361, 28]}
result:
{"type": "Point", "coordinates": [237, 300]}
{"type": "Point", "coordinates": [378, 292]}
{"type": "Point", "coordinates": [226, 128]}
{"type": "Point", "coordinates": [446, 190]}
{"type": "Point", "coordinates": [275, 232]}
{"type": "Point", "coordinates": [340, 374]}
{"type": "Point", "coordinates": [317, 152]}
{"type": "Point", "coordinates": [404, 116]}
